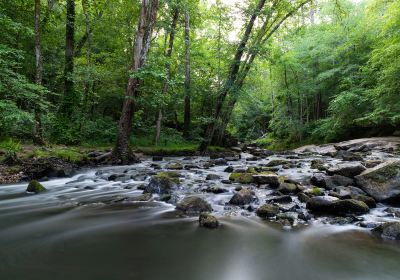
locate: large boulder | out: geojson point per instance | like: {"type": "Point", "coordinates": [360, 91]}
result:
{"type": "Point", "coordinates": [193, 205]}
{"type": "Point", "coordinates": [335, 206]}
{"type": "Point", "coordinates": [267, 179]}
{"type": "Point", "coordinates": [161, 183]}
{"type": "Point", "coordinates": [35, 187]}
{"type": "Point", "coordinates": [349, 169]}
{"type": "Point", "coordinates": [242, 197]}
{"type": "Point", "coordinates": [382, 182]}
{"type": "Point", "coordinates": [267, 211]}
{"type": "Point", "coordinates": [389, 230]}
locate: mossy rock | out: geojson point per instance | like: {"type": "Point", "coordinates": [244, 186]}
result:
{"type": "Point", "coordinates": [267, 211]}
{"type": "Point", "coordinates": [208, 221]}
{"type": "Point", "coordinates": [277, 162]}
{"type": "Point", "coordinates": [174, 166]}
{"type": "Point", "coordinates": [193, 205]}
{"type": "Point", "coordinates": [35, 187]}
{"type": "Point", "coordinates": [162, 183]}
{"type": "Point", "coordinates": [318, 164]}
{"type": "Point", "coordinates": [242, 178]}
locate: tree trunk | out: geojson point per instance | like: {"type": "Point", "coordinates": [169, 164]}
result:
{"type": "Point", "coordinates": [234, 69]}
{"type": "Point", "coordinates": [69, 98]}
{"type": "Point", "coordinates": [87, 86]}
{"type": "Point", "coordinates": [148, 13]}
{"type": "Point", "coordinates": [37, 129]}
{"type": "Point", "coordinates": [168, 55]}
{"type": "Point", "coordinates": [186, 122]}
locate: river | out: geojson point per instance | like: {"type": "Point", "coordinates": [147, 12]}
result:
{"type": "Point", "coordinates": [81, 229]}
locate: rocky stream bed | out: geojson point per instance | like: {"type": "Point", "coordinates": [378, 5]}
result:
{"type": "Point", "coordinates": [351, 186]}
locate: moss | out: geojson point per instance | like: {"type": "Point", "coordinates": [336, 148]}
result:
{"type": "Point", "coordinates": [382, 175]}
{"type": "Point", "coordinates": [175, 166]}
{"type": "Point", "coordinates": [171, 176]}
{"type": "Point", "coordinates": [242, 178]}
{"type": "Point", "coordinates": [35, 187]}
{"type": "Point", "coordinates": [316, 191]}
{"type": "Point", "coordinates": [208, 221]}
{"type": "Point", "coordinates": [276, 162]}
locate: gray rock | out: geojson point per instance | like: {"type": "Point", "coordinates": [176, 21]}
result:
{"type": "Point", "coordinates": [269, 179]}
{"type": "Point", "coordinates": [193, 205]}
{"type": "Point", "coordinates": [229, 169]}
{"type": "Point", "coordinates": [174, 166]}
{"type": "Point", "coordinates": [326, 204]}
{"type": "Point", "coordinates": [213, 177]}
{"type": "Point", "coordinates": [220, 161]}
{"type": "Point", "coordinates": [161, 184]}
{"type": "Point", "coordinates": [215, 190]}
{"type": "Point", "coordinates": [267, 211]}
{"type": "Point", "coordinates": [280, 199]}
{"type": "Point", "coordinates": [390, 230]}
{"type": "Point", "coordinates": [382, 182]}
{"type": "Point", "coordinates": [288, 188]}
{"type": "Point", "coordinates": [303, 197]}
{"type": "Point", "coordinates": [350, 169]}
{"type": "Point", "coordinates": [208, 221]}
{"type": "Point", "coordinates": [242, 197]}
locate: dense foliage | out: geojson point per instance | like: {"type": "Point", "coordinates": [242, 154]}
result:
{"type": "Point", "coordinates": [330, 72]}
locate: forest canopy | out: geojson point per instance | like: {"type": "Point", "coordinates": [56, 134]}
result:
{"type": "Point", "coordinates": [189, 72]}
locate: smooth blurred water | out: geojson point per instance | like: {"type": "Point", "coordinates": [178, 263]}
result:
{"type": "Point", "coordinates": [72, 232]}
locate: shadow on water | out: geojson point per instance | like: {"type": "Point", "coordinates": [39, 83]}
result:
{"type": "Point", "coordinates": [74, 233]}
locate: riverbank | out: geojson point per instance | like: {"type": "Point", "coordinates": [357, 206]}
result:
{"type": "Point", "coordinates": [36, 162]}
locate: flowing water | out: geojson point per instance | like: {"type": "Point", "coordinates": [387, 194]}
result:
{"type": "Point", "coordinates": [82, 228]}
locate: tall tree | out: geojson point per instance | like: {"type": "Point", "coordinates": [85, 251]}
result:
{"type": "Point", "coordinates": [69, 96]}
{"type": "Point", "coordinates": [186, 122]}
{"type": "Point", "coordinates": [147, 19]}
{"type": "Point", "coordinates": [37, 129]}
{"type": "Point", "coordinates": [246, 52]}
{"type": "Point", "coordinates": [167, 54]}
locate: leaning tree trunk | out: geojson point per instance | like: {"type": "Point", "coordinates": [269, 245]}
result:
{"type": "Point", "coordinates": [168, 55]}
{"type": "Point", "coordinates": [234, 70]}
{"type": "Point", "coordinates": [37, 129]}
{"type": "Point", "coordinates": [186, 121]}
{"type": "Point", "coordinates": [69, 98]}
{"type": "Point", "coordinates": [148, 14]}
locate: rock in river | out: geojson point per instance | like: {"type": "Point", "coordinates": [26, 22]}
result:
{"type": "Point", "coordinates": [161, 183]}
{"type": "Point", "coordinates": [389, 230]}
{"type": "Point", "coordinates": [268, 179]}
{"type": "Point", "coordinates": [208, 221]}
{"type": "Point", "coordinates": [349, 169]}
{"type": "Point", "coordinates": [35, 187]}
{"type": "Point", "coordinates": [382, 182]}
{"type": "Point", "coordinates": [193, 205]}
{"type": "Point", "coordinates": [242, 197]}
{"type": "Point", "coordinates": [330, 205]}
{"type": "Point", "coordinates": [267, 211]}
